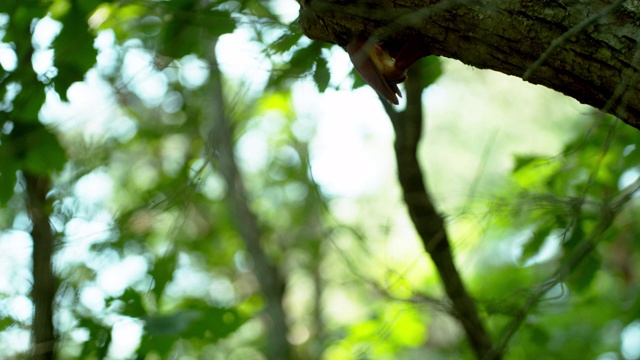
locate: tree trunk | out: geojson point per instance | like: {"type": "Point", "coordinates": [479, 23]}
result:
{"type": "Point", "coordinates": [586, 49]}
{"type": "Point", "coordinates": [44, 282]}
{"type": "Point", "coordinates": [266, 272]}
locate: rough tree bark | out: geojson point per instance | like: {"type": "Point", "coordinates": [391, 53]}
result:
{"type": "Point", "coordinates": [586, 49]}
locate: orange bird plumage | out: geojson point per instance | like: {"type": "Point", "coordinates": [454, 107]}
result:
{"type": "Point", "coordinates": [382, 71]}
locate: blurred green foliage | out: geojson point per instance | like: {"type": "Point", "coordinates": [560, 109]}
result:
{"type": "Point", "coordinates": [195, 294]}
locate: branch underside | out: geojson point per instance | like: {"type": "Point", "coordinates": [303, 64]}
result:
{"type": "Point", "coordinates": [588, 47]}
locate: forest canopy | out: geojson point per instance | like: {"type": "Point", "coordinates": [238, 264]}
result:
{"type": "Point", "coordinates": [200, 179]}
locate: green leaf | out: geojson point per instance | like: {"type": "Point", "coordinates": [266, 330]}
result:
{"type": "Point", "coordinates": [8, 169]}
{"type": "Point", "coordinates": [87, 6]}
{"type": "Point", "coordinates": [524, 160]}
{"type": "Point", "coordinates": [7, 6]}
{"type": "Point", "coordinates": [22, 15]}
{"type": "Point", "coordinates": [216, 323]}
{"type": "Point", "coordinates": [44, 152]}
{"type": "Point", "coordinates": [182, 34]}
{"type": "Point", "coordinates": [5, 322]}
{"type": "Point", "coordinates": [162, 273]}
{"type": "Point", "coordinates": [260, 9]}
{"type": "Point", "coordinates": [67, 75]}
{"type": "Point", "coordinates": [74, 51]}
{"type": "Point", "coordinates": [585, 272]}
{"type": "Point", "coordinates": [539, 336]}
{"type": "Point", "coordinates": [99, 339]}
{"type": "Point", "coordinates": [133, 304]}
{"type": "Point", "coordinates": [32, 147]}
{"type": "Point", "coordinates": [219, 22]}
{"type": "Point", "coordinates": [286, 42]}
{"type": "Point", "coordinates": [160, 344]}
{"type": "Point", "coordinates": [28, 102]}
{"type": "Point", "coordinates": [431, 69]}
{"type": "Point", "coordinates": [533, 172]}
{"type": "Point", "coordinates": [409, 328]}
{"type": "Point", "coordinates": [180, 37]}
{"type": "Point", "coordinates": [175, 324]}
{"type": "Point", "coordinates": [7, 182]}
{"type": "Point", "coordinates": [301, 62]}
{"type": "Point", "coordinates": [200, 321]}
{"type": "Point", "coordinates": [576, 236]}
{"type": "Point", "coordinates": [304, 58]}
{"type": "Point", "coordinates": [533, 245]}
{"type": "Point", "coordinates": [321, 76]}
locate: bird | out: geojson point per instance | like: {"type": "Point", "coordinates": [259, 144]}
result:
{"type": "Point", "coordinates": [381, 67]}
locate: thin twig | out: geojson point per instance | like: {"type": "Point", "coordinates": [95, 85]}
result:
{"type": "Point", "coordinates": [608, 212]}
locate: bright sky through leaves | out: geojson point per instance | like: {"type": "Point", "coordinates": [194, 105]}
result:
{"type": "Point", "coordinates": [148, 244]}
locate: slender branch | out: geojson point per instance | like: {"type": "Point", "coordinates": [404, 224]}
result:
{"type": "Point", "coordinates": [608, 212]}
{"type": "Point", "coordinates": [44, 282]}
{"type": "Point", "coordinates": [222, 152]}
{"type": "Point", "coordinates": [428, 223]}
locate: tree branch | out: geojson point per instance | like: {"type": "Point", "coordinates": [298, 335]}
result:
{"type": "Point", "coordinates": [428, 223]}
{"type": "Point", "coordinates": [583, 49]}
